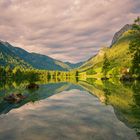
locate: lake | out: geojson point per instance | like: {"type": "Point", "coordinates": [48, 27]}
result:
{"type": "Point", "coordinates": [84, 110]}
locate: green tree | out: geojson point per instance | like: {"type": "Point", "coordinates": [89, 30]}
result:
{"type": "Point", "coordinates": [2, 73]}
{"type": "Point", "coordinates": [8, 71]}
{"type": "Point", "coordinates": [17, 72]}
{"type": "Point", "coordinates": [49, 76]}
{"type": "Point", "coordinates": [33, 77]}
{"type": "Point", "coordinates": [134, 47]}
{"type": "Point", "coordinates": [106, 65]}
{"type": "Point", "coordinates": [76, 73]}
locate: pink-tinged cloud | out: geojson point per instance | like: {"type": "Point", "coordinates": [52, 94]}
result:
{"type": "Point", "coordinates": [68, 30]}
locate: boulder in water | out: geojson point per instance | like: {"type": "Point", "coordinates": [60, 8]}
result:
{"type": "Point", "coordinates": [14, 98]}
{"type": "Point", "coordinates": [32, 86]}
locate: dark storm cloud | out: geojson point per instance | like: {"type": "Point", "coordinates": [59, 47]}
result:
{"type": "Point", "coordinates": [70, 30]}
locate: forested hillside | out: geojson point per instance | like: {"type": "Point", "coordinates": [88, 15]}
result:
{"type": "Point", "coordinates": [14, 56]}
{"type": "Point", "coordinates": [118, 54]}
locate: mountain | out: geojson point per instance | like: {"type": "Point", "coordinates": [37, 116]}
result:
{"type": "Point", "coordinates": [40, 61]}
{"type": "Point", "coordinates": [14, 56]}
{"type": "Point", "coordinates": [73, 66]}
{"type": "Point", "coordinates": [118, 54]}
{"type": "Point", "coordinates": [8, 57]}
{"type": "Point", "coordinates": [120, 33]}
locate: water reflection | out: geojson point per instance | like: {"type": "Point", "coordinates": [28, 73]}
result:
{"type": "Point", "coordinates": [124, 97]}
{"type": "Point", "coordinates": [32, 95]}
{"type": "Point", "coordinates": [67, 111]}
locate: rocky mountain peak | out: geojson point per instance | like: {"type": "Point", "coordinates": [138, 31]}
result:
{"type": "Point", "coordinates": [120, 33]}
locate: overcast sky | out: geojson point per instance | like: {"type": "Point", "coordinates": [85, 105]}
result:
{"type": "Point", "coordinates": [68, 30]}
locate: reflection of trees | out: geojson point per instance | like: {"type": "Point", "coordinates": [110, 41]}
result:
{"type": "Point", "coordinates": [43, 92]}
{"type": "Point", "coordinates": [136, 106]}
{"type": "Point", "coordinates": [124, 97]}
{"type": "Point", "coordinates": [107, 93]}
{"type": "Point", "coordinates": [136, 95]}
{"type": "Point", "coordinates": [135, 88]}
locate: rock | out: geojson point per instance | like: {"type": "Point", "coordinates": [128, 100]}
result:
{"type": "Point", "coordinates": [127, 78]}
{"type": "Point", "coordinates": [32, 86]}
{"type": "Point", "coordinates": [104, 78]}
{"type": "Point", "coordinates": [120, 33]}
{"type": "Point", "coordinates": [14, 98]}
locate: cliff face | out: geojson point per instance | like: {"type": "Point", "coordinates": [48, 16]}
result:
{"type": "Point", "coordinates": [120, 33]}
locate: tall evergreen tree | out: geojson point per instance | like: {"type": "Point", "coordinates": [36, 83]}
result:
{"type": "Point", "coordinates": [106, 65]}
{"type": "Point", "coordinates": [134, 47]}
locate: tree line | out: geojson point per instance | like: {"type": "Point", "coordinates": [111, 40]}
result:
{"type": "Point", "coordinates": [33, 75]}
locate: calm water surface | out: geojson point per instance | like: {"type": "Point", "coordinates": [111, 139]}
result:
{"type": "Point", "coordinates": [65, 111]}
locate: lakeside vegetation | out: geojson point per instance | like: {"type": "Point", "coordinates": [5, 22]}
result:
{"type": "Point", "coordinates": [18, 75]}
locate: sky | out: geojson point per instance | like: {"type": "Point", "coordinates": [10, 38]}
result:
{"type": "Point", "coordinates": [67, 30]}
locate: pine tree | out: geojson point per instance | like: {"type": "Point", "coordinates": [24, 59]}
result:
{"type": "Point", "coordinates": [106, 65]}
{"type": "Point", "coordinates": [134, 47]}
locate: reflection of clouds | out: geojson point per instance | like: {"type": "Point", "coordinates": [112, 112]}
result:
{"type": "Point", "coordinates": [69, 115]}
{"type": "Point", "coordinates": [74, 25]}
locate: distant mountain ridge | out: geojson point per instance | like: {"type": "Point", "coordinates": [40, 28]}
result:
{"type": "Point", "coordinates": [14, 56]}
{"type": "Point", "coordinates": [73, 66]}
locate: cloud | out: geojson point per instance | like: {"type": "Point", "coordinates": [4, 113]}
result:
{"type": "Point", "coordinates": [70, 30]}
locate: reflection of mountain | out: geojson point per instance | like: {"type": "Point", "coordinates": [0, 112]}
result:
{"type": "Point", "coordinates": [43, 92]}
{"type": "Point", "coordinates": [93, 90]}
{"type": "Point", "coordinates": [123, 98]}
